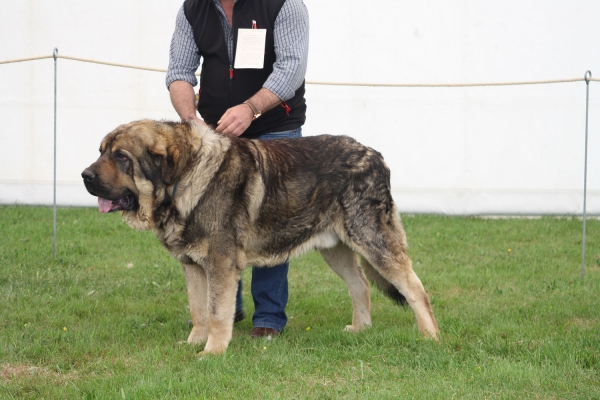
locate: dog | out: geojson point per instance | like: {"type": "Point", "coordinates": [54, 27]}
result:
{"type": "Point", "coordinates": [219, 204]}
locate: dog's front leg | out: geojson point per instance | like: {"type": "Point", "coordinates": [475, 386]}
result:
{"type": "Point", "coordinates": [222, 282]}
{"type": "Point", "coordinates": [195, 279]}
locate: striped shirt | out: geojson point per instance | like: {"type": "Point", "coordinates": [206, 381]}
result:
{"type": "Point", "coordinates": [291, 49]}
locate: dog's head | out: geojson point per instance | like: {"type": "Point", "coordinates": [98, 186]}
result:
{"type": "Point", "coordinates": [137, 162]}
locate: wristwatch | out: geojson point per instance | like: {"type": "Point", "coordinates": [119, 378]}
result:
{"type": "Point", "coordinates": [257, 113]}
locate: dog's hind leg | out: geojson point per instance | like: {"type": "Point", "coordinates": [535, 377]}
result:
{"type": "Point", "coordinates": [344, 262]}
{"type": "Point", "coordinates": [396, 278]}
{"type": "Point", "coordinates": [195, 279]}
{"type": "Point", "coordinates": [382, 244]}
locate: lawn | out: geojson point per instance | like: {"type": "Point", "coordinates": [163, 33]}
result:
{"type": "Point", "coordinates": [106, 317]}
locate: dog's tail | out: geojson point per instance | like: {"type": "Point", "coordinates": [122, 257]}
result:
{"type": "Point", "coordinates": [382, 284]}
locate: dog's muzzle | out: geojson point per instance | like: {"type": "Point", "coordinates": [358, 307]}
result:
{"type": "Point", "coordinates": [126, 203]}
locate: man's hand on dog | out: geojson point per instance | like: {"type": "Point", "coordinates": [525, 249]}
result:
{"type": "Point", "coordinates": [235, 121]}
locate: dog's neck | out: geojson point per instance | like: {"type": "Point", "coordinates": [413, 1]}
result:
{"type": "Point", "coordinates": [209, 149]}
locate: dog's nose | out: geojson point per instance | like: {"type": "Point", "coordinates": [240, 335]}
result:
{"type": "Point", "coordinates": [88, 175]}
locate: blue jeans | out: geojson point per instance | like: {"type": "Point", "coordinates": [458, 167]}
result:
{"type": "Point", "coordinates": [269, 285]}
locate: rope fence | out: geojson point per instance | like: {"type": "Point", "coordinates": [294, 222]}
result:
{"type": "Point", "coordinates": [587, 78]}
{"type": "Point", "coordinates": [356, 84]}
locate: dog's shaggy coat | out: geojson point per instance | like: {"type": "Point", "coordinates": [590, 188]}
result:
{"type": "Point", "coordinates": [219, 204]}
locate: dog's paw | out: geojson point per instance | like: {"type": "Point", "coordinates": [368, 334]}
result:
{"type": "Point", "coordinates": [356, 329]}
{"type": "Point", "coordinates": [198, 336]}
{"type": "Point", "coordinates": [213, 350]}
{"type": "Point", "coordinates": [431, 335]}
{"type": "Point", "coordinates": [351, 328]}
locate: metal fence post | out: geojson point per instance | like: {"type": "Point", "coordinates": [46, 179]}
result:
{"type": "Point", "coordinates": [587, 76]}
{"type": "Point", "coordinates": [55, 56]}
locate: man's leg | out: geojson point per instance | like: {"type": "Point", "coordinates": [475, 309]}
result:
{"type": "Point", "coordinates": [270, 294]}
{"type": "Point", "coordinates": [239, 304]}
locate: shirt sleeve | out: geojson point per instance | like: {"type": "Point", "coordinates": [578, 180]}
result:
{"type": "Point", "coordinates": [291, 50]}
{"type": "Point", "coordinates": [184, 57]}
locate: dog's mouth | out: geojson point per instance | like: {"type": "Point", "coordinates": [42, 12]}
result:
{"type": "Point", "coordinates": [126, 203]}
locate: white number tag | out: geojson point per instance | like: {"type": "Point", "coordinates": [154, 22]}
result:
{"type": "Point", "coordinates": [250, 50]}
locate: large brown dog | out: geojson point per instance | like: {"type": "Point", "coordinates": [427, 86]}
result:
{"type": "Point", "coordinates": [219, 204]}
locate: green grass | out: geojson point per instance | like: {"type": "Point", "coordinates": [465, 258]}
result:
{"type": "Point", "coordinates": [103, 319]}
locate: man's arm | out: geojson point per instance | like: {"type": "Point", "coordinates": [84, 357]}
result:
{"type": "Point", "coordinates": [183, 99]}
{"type": "Point", "coordinates": [291, 51]}
{"type": "Point", "coordinates": [184, 60]}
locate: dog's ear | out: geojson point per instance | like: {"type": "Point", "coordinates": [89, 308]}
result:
{"type": "Point", "coordinates": [168, 158]}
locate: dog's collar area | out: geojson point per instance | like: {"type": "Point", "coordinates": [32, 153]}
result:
{"type": "Point", "coordinates": [175, 189]}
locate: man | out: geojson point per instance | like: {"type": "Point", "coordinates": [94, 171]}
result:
{"type": "Point", "coordinates": [239, 98]}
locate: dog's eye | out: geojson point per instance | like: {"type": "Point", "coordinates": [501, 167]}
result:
{"type": "Point", "coordinates": [121, 157]}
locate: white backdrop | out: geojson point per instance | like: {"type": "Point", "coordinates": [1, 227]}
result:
{"type": "Point", "coordinates": [490, 150]}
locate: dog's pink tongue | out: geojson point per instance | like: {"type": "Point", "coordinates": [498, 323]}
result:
{"type": "Point", "coordinates": [104, 205]}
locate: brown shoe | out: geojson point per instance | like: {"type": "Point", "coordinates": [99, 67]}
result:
{"type": "Point", "coordinates": [267, 333]}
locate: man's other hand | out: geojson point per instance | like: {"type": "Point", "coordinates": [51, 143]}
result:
{"type": "Point", "coordinates": [235, 121]}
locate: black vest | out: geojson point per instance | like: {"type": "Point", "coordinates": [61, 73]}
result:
{"type": "Point", "coordinates": [221, 88]}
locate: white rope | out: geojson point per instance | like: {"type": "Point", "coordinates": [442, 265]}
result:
{"type": "Point", "coordinates": [402, 85]}
{"type": "Point", "coordinates": [16, 60]}
{"type": "Point", "coordinates": [452, 85]}
{"type": "Point", "coordinates": [87, 60]}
